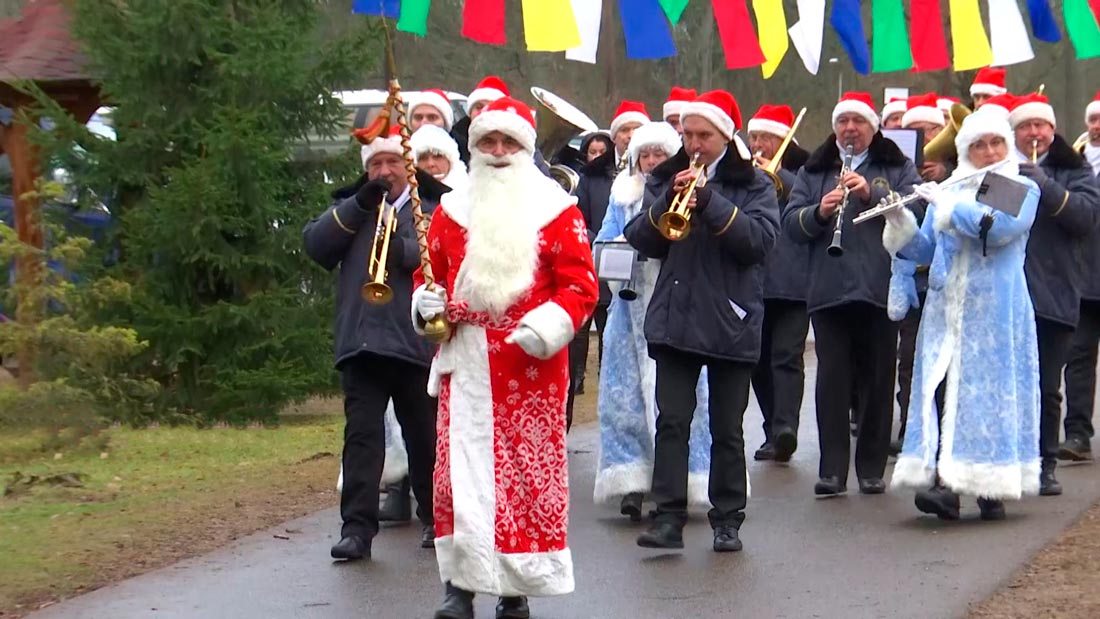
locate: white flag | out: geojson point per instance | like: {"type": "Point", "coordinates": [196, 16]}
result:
{"type": "Point", "coordinates": [588, 14]}
{"type": "Point", "coordinates": [807, 32]}
{"type": "Point", "coordinates": [1008, 35]}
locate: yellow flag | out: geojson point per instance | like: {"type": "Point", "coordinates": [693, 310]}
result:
{"type": "Point", "coordinates": [968, 36]}
{"type": "Point", "coordinates": [549, 25]}
{"type": "Point", "coordinates": [771, 25]}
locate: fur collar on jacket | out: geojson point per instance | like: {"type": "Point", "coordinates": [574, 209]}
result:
{"type": "Point", "coordinates": [732, 169]}
{"type": "Point", "coordinates": [430, 189]}
{"type": "Point", "coordinates": [827, 156]}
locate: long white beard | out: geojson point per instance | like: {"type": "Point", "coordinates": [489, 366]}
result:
{"type": "Point", "coordinates": [502, 244]}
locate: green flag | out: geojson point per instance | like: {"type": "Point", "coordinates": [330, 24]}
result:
{"type": "Point", "coordinates": [674, 9]}
{"type": "Point", "coordinates": [414, 16]}
{"type": "Point", "coordinates": [1081, 24]}
{"type": "Point", "coordinates": [889, 37]}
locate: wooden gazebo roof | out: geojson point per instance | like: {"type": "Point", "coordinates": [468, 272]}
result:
{"type": "Point", "coordinates": [37, 47]}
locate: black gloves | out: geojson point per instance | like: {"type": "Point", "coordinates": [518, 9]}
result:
{"type": "Point", "coordinates": [370, 195]}
{"type": "Point", "coordinates": [1034, 172]}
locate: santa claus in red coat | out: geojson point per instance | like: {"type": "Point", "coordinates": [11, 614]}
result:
{"type": "Point", "coordinates": [513, 255]}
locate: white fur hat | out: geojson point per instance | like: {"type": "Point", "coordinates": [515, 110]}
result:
{"type": "Point", "coordinates": [437, 99]}
{"type": "Point", "coordinates": [655, 134]}
{"type": "Point", "coordinates": [432, 139]}
{"type": "Point", "coordinates": [985, 121]}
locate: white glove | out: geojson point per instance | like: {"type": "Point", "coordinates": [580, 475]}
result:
{"type": "Point", "coordinates": [526, 338]}
{"type": "Point", "coordinates": [895, 217]}
{"type": "Point", "coordinates": [431, 303]}
{"type": "Point", "coordinates": [929, 192]}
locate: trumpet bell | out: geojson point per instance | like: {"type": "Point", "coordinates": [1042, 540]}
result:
{"type": "Point", "coordinates": [376, 293]}
{"type": "Point", "coordinates": [942, 147]}
{"type": "Point", "coordinates": [673, 226]}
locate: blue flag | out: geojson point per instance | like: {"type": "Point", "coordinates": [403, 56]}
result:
{"type": "Point", "coordinates": [1042, 21]}
{"type": "Point", "coordinates": [646, 29]}
{"type": "Point", "coordinates": [848, 23]}
{"type": "Point", "coordinates": [382, 8]}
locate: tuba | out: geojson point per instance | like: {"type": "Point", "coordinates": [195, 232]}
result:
{"type": "Point", "coordinates": [942, 147]}
{"type": "Point", "coordinates": [563, 123]}
{"type": "Point", "coordinates": [772, 169]}
{"type": "Point", "coordinates": [1079, 143]}
{"type": "Point", "coordinates": [675, 223]}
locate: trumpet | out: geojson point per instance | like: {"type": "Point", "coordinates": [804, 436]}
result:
{"type": "Point", "coordinates": [675, 224]}
{"type": "Point", "coordinates": [836, 248]}
{"type": "Point", "coordinates": [376, 291]}
{"type": "Point", "coordinates": [772, 169]}
{"type": "Point", "coordinates": [1035, 151]}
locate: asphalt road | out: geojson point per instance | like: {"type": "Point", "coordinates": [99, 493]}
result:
{"type": "Point", "coordinates": [851, 557]}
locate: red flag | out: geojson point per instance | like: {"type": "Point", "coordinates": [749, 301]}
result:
{"type": "Point", "coordinates": [483, 21]}
{"type": "Point", "coordinates": [738, 37]}
{"type": "Point", "coordinates": [1095, 6]}
{"type": "Point", "coordinates": [926, 38]}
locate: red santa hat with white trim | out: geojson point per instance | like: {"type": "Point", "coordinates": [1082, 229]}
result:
{"type": "Point", "coordinates": [628, 112]}
{"type": "Point", "coordinates": [922, 108]}
{"type": "Point", "coordinates": [390, 144]}
{"type": "Point", "coordinates": [1031, 107]}
{"type": "Point", "coordinates": [774, 119]}
{"type": "Point", "coordinates": [856, 103]}
{"type": "Point", "coordinates": [508, 116]}
{"type": "Point", "coordinates": [435, 98]}
{"type": "Point", "coordinates": [1093, 108]}
{"type": "Point", "coordinates": [1002, 104]}
{"type": "Point", "coordinates": [944, 103]}
{"type": "Point", "coordinates": [720, 109]}
{"type": "Point", "coordinates": [488, 90]}
{"type": "Point", "coordinates": [896, 105]}
{"type": "Point", "coordinates": [677, 98]}
{"type": "Point", "coordinates": [989, 81]}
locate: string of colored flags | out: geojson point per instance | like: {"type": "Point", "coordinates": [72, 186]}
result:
{"type": "Point", "coordinates": [898, 43]}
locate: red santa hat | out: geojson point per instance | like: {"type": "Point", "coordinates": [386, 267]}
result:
{"type": "Point", "coordinates": [1002, 104]}
{"type": "Point", "coordinates": [774, 119]}
{"type": "Point", "coordinates": [628, 112]}
{"type": "Point", "coordinates": [436, 98]}
{"type": "Point", "coordinates": [945, 103]}
{"type": "Point", "coordinates": [433, 139]}
{"type": "Point", "coordinates": [719, 108]}
{"type": "Point", "coordinates": [677, 98]}
{"type": "Point", "coordinates": [896, 105]}
{"type": "Point", "coordinates": [390, 144]}
{"type": "Point", "coordinates": [488, 90]}
{"type": "Point", "coordinates": [1093, 108]}
{"type": "Point", "coordinates": [1031, 107]}
{"type": "Point", "coordinates": [508, 116]}
{"type": "Point", "coordinates": [922, 109]}
{"type": "Point", "coordinates": [989, 81]}
{"type": "Point", "coordinates": [856, 103]}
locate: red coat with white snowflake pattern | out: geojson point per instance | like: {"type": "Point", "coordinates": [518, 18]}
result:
{"type": "Point", "coordinates": [501, 478]}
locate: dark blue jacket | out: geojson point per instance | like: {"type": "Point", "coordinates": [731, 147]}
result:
{"type": "Point", "coordinates": [1060, 259]}
{"type": "Point", "coordinates": [384, 330]}
{"type": "Point", "coordinates": [862, 274]}
{"type": "Point", "coordinates": [788, 262]}
{"type": "Point", "coordinates": [708, 298]}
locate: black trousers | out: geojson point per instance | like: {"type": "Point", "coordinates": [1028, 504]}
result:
{"type": "Point", "coordinates": [369, 382]}
{"type": "Point", "coordinates": [1081, 372]}
{"type": "Point", "coordinates": [779, 377]}
{"type": "Point", "coordinates": [1054, 343]}
{"type": "Point", "coordinates": [857, 347]}
{"type": "Point", "coordinates": [578, 357]}
{"type": "Point", "coordinates": [728, 381]}
{"type": "Point", "coordinates": [907, 348]}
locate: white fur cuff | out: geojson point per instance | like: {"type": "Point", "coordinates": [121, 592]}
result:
{"type": "Point", "coordinates": [895, 236]}
{"type": "Point", "coordinates": [943, 209]}
{"type": "Point", "coordinates": [552, 324]}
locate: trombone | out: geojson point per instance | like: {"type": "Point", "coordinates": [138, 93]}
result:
{"type": "Point", "coordinates": [376, 291]}
{"type": "Point", "coordinates": [772, 169]}
{"type": "Point", "coordinates": [675, 224]}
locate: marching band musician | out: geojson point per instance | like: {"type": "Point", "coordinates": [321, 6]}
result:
{"type": "Point", "coordinates": [779, 378]}
{"type": "Point", "coordinates": [706, 310]}
{"type": "Point", "coordinates": [627, 400]}
{"type": "Point", "coordinates": [489, 89]}
{"type": "Point", "coordinates": [988, 83]}
{"type": "Point", "coordinates": [856, 342]}
{"type": "Point", "coordinates": [377, 353]}
{"type": "Point", "coordinates": [430, 107]}
{"type": "Point", "coordinates": [980, 440]}
{"type": "Point", "coordinates": [922, 114]}
{"type": "Point", "coordinates": [513, 257]}
{"type": "Point", "coordinates": [677, 98]}
{"type": "Point", "coordinates": [1069, 211]}
{"type": "Point", "coordinates": [1081, 366]}
{"type": "Point", "coordinates": [893, 111]}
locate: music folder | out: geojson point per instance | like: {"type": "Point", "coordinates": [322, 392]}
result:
{"type": "Point", "coordinates": [615, 261]}
{"type": "Point", "coordinates": [1002, 193]}
{"type": "Point", "coordinates": [909, 141]}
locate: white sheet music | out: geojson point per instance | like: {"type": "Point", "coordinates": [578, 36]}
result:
{"type": "Point", "coordinates": [616, 264]}
{"type": "Point", "coordinates": [906, 139]}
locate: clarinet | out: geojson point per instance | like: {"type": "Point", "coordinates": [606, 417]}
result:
{"type": "Point", "coordinates": [836, 248]}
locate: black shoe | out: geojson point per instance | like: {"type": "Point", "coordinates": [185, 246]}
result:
{"type": "Point", "coordinates": [579, 389]}
{"type": "Point", "coordinates": [513, 608]}
{"type": "Point", "coordinates": [939, 501]}
{"type": "Point", "coordinates": [829, 487]}
{"type": "Point", "coordinates": [871, 485]}
{"type": "Point", "coordinates": [662, 535]}
{"type": "Point", "coordinates": [458, 604]}
{"type": "Point", "coordinates": [397, 506]}
{"type": "Point", "coordinates": [726, 539]}
{"type": "Point", "coordinates": [351, 548]}
{"type": "Point", "coordinates": [786, 442]}
{"type": "Point", "coordinates": [427, 536]}
{"type": "Point", "coordinates": [895, 447]}
{"type": "Point", "coordinates": [631, 505]}
{"type": "Point", "coordinates": [1048, 483]}
{"type": "Point", "coordinates": [766, 452]}
{"type": "Point", "coordinates": [991, 509]}
{"type": "Point", "coordinates": [1075, 449]}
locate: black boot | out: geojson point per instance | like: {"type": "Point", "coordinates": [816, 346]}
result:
{"type": "Point", "coordinates": [631, 505]}
{"type": "Point", "coordinates": [397, 506]}
{"type": "Point", "coordinates": [1076, 449]}
{"type": "Point", "coordinates": [940, 501]}
{"type": "Point", "coordinates": [829, 487]}
{"type": "Point", "coordinates": [457, 604]}
{"type": "Point", "coordinates": [662, 535]}
{"type": "Point", "coordinates": [351, 548]}
{"type": "Point", "coordinates": [1048, 483]}
{"type": "Point", "coordinates": [786, 442]}
{"type": "Point", "coordinates": [991, 509]}
{"type": "Point", "coordinates": [766, 452]}
{"type": "Point", "coordinates": [513, 608]}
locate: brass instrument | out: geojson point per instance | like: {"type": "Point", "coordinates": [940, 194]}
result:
{"type": "Point", "coordinates": [675, 223]}
{"type": "Point", "coordinates": [772, 169]}
{"type": "Point", "coordinates": [896, 201]}
{"type": "Point", "coordinates": [1035, 151]}
{"type": "Point", "coordinates": [836, 247]}
{"type": "Point", "coordinates": [1079, 143]}
{"type": "Point", "coordinates": [942, 147]}
{"type": "Point", "coordinates": [563, 123]}
{"type": "Point", "coordinates": [376, 291]}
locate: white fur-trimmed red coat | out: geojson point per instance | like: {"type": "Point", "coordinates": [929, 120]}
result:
{"type": "Point", "coordinates": [501, 480]}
